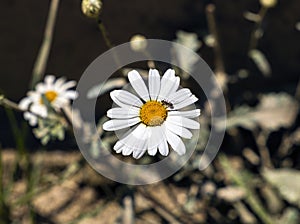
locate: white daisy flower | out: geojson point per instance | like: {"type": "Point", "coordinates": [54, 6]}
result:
{"type": "Point", "coordinates": [156, 113]}
{"type": "Point", "coordinates": [57, 92]}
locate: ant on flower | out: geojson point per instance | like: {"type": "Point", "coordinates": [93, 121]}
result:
{"type": "Point", "coordinates": [167, 104]}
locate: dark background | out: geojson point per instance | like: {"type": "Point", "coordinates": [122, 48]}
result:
{"type": "Point", "coordinates": [77, 40]}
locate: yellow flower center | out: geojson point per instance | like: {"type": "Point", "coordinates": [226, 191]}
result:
{"type": "Point", "coordinates": [153, 113]}
{"type": "Point", "coordinates": [50, 96]}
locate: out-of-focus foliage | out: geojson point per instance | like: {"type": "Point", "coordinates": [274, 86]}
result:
{"type": "Point", "coordinates": [274, 111]}
{"type": "Point", "coordinates": [287, 181]}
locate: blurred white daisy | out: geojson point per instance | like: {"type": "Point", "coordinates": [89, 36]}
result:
{"type": "Point", "coordinates": [56, 92]}
{"type": "Point", "coordinates": [156, 113]}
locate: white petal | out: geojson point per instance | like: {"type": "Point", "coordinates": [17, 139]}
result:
{"type": "Point", "coordinates": [169, 74]}
{"type": "Point", "coordinates": [140, 142]}
{"type": "Point", "coordinates": [169, 84]}
{"type": "Point", "coordinates": [137, 141]}
{"type": "Point", "coordinates": [59, 83]}
{"type": "Point", "coordinates": [154, 136]}
{"type": "Point", "coordinates": [67, 85]}
{"type": "Point", "coordinates": [70, 94]}
{"type": "Point", "coordinates": [34, 96]}
{"type": "Point", "coordinates": [188, 114]}
{"type": "Point", "coordinates": [183, 122]}
{"type": "Point", "coordinates": [138, 85]}
{"type": "Point", "coordinates": [113, 125]}
{"type": "Point", "coordinates": [32, 119]}
{"type": "Point", "coordinates": [39, 109]}
{"type": "Point", "coordinates": [154, 83]}
{"type": "Point", "coordinates": [163, 147]}
{"type": "Point", "coordinates": [126, 151]}
{"type": "Point", "coordinates": [192, 99]}
{"type": "Point", "coordinates": [118, 147]}
{"type": "Point", "coordinates": [123, 113]}
{"type": "Point", "coordinates": [127, 98]}
{"type": "Point", "coordinates": [176, 143]}
{"type": "Point", "coordinates": [138, 153]}
{"type": "Point", "coordinates": [49, 80]}
{"type": "Point", "coordinates": [41, 88]}
{"type": "Point", "coordinates": [179, 130]}
{"type": "Point", "coordinates": [180, 95]}
{"type": "Point", "coordinates": [60, 102]}
{"type": "Point", "coordinates": [24, 103]}
{"type": "Point", "coordinates": [152, 152]}
{"type": "Point", "coordinates": [118, 102]}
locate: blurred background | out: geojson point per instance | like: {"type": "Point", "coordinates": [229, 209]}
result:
{"type": "Point", "coordinates": [255, 178]}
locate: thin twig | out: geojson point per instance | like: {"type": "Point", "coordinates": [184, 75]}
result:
{"type": "Point", "coordinates": [261, 140]}
{"type": "Point", "coordinates": [107, 41]}
{"type": "Point", "coordinates": [285, 145]}
{"type": "Point", "coordinates": [158, 208]}
{"type": "Point", "coordinates": [212, 25]}
{"type": "Point", "coordinates": [9, 104]}
{"type": "Point", "coordinates": [254, 37]}
{"type": "Point", "coordinates": [12, 105]}
{"type": "Point", "coordinates": [128, 214]}
{"type": "Point", "coordinates": [219, 61]}
{"type": "Point", "coordinates": [42, 58]}
{"type": "Point", "coordinates": [104, 33]}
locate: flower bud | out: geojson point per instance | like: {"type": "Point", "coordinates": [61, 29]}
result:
{"type": "Point", "coordinates": [91, 8]}
{"type": "Point", "coordinates": [138, 43]}
{"type": "Point", "coordinates": [268, 3]}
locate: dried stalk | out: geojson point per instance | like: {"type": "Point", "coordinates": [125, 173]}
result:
{"type": "Point", "coordinates": [42, 58]}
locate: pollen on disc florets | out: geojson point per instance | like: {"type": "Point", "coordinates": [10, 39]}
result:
{"type": "Point", "coordinates": [153, 113]}
{"type": "Point", "coordinates": [50, 96]}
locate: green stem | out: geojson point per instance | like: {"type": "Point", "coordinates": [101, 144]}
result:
{"type": "Point", "coordinates": [104, 33]}
{"type": "Point", "coordinates": [107, 41]}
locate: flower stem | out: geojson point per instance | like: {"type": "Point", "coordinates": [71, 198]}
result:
{"type": "Point", "coordinates": [42, 58]}
{"type": "Point", "coordinates": [107, 41]}
{"type": "Point", "coordinates": [8, 103]}
{"type": "Point", "coordinates": [104, 33]}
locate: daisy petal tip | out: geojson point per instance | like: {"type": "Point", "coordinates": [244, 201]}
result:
{"type": "Point", "coordinates": [113, 93]}
{"type": "Point", "coordinates": [108, 126]}
{"type": "Point", "coordinates": [181, 153]}
{"type": "Point", "coordinates": [189, 136]}
{"type": "Point", "coordinates": [152, 151]}
{"type": "Point", "coordinates": [109, 113]}
{"type": "Point", "coordinates": [24, 103]}
{"type": "Point", "coordinates": [118, 147]}
{"type": "Point", "coordinates": [126, 151]}
{"type": "Point", "coordinates": [49, 79]}
{"type": "Point", "coordinates": [133, 75]}
{"type": "Point", "coordinates": [153, 72]}
{"type": "Point", "coordinates": [170, 72]}
{"type": "Point", "coordinates": [195, 98]}
{"type": "Point", "coordinates": [164, 153]}
{"type": "Point", "coordinates": [138, 154]}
